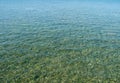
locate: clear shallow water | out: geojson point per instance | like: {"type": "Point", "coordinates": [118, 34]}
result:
{"type": "Point", "coordinates": [60, 41]}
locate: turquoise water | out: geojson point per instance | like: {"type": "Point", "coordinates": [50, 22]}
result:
{"type": "Point", "coordinates": [59, 41]}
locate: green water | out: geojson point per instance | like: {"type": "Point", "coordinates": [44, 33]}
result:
{"type": "Point", "coordinates": [60, 43]}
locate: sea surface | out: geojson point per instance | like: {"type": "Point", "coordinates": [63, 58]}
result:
{"type": "Point", "coordinates": [59, 41]}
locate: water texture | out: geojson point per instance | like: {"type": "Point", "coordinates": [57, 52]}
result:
{"type": "Point", "coordinates": [55, 41]}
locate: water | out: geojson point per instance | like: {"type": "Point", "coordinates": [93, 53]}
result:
{"type": "Point", "coordinates": [59, 41]}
